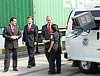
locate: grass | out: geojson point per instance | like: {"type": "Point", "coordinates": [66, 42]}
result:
{"type": "Point", "coordinates": [23, 48]}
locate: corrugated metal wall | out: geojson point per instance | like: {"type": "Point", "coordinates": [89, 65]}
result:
{"type": "Point", "coordinates": [40, 8]}
{"type": "Point", "coordinates": [54, 8]}
{"type": "Point", "coordinates": [17, 8]}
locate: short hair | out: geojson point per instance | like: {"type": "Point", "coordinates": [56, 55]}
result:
{"type": "Point", "coordinates": [12, 18]}
{"type": "Point", "coordinates": [30, 17]}
{"type": "Point", "coordinates": [48, 17]}
{"type": "Point", "coordinates": [54, 27]}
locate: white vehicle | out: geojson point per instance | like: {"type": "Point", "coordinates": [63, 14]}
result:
{"type": "Point", "coordinates": [85, 48]}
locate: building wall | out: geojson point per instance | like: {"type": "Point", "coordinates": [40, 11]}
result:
{"type": "Point", "coordinates": [58, 9]}
{"type": "Point", "coordinates": [37, 8]}
{"type": "Point", "coordinates": [17, 8]}
{"type": "Point", "coordinates": [54, 8]}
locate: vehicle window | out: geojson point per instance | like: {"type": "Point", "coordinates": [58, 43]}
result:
{"type": "Point", "coordinates": [79, 12]}
{"type": "Point", "coordinates": [95, 13]}
{"type": "Point", "coordinates": [97, 22]}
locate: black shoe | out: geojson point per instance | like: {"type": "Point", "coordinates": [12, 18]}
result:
{"type": "Point", "coordinates": [29, 66]}
{"type": "Point", "coordinates": [51, 73]}
{"type": "Point", "coordinates": [58, 72]}
{"type": "Point", "coordinates": [37, 52]}
{"type": "Point", "coordinates": [5, 70]}
{"type": "Point", "coordinates": [33, 65]}
{"type": "Point", "coordinates": [15, 69]}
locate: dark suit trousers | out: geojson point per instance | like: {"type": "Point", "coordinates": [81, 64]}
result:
{"type": "Point", "coordinates": [55, 56]}
{"type": "Point", "coordinates": [31, 60]}
{"type": "Point", "coordinates": [7, 58]}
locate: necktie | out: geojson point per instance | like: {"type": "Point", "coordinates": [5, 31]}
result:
{"type": "Point", "coordinates": [49, 29]}
{"type": "Point", "coordinates": [29, 28]}
{"type": "Point", "coordinates": [12, 28]}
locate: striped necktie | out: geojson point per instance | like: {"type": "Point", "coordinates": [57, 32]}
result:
{"type": "Point", "coordinates": [29, 28]}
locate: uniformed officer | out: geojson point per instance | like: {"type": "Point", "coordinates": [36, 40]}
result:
{"type": "Point", "coordinates": [55, 55]}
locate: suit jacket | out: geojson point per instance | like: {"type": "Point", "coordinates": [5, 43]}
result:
{"type": "Point", "coordinates": [30, 37]}
{"type": "Point", "coordinates": [45, 35]}
{"type": "Point", "coordinates": [7, 33]}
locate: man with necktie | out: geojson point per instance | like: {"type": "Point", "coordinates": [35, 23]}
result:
{"type": "Point", "coordinates": [46, 31]}
{"type": "Point", "coordinates": [30, 36]}
{"type": "Point", "coordinates": [11, 33]}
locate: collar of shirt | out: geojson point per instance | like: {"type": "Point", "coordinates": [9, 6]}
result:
{"type": "Point", "coordinates": [11, 26]}
{"type": "Point", "coordinates": [29, 25]}
{"type": "Point", "coordinates": [50, 25]}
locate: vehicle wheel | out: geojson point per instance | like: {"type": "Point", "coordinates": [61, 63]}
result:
{"type": "Point", "coordinates": [88, 67]}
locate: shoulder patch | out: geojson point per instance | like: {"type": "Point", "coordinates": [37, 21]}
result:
{"type": "Point", "coordinates": [51, 37]}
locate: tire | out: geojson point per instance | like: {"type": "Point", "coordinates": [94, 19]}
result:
{"type": "Point", "coordinates": [88, 67]}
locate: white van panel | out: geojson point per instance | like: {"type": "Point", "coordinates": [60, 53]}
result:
{"type": "Point", "coordinates": [77, 51]}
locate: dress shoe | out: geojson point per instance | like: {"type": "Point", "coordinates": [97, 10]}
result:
{"type": "Point", "coordinates": [15, 69]}
{"type": "Point", "coordinates": [5, 70]}
{"type": "Point", "coordinates": [29, 66]}
{"type": "Point", "coordinates": [37, 52]}
{"type": "Point", "coordinates": [58, 72]}
{"type": "Point", "coordinates": [33, 65]}
{"type": "Point", "coordinates": [51, 73]}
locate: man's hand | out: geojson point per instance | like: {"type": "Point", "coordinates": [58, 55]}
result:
{"type": "Point", "coordinates": [35, 43]}
{"type": "Point", "coordinates": [17, 37]}
{"type": "Point", "coordinates": [44, 41]}
{"type": "Point", "coordinates": [14, 37]}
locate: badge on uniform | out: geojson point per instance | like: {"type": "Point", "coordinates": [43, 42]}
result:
{"type": "Point", "coordinates": [32, 29]}
{"type": "Point", "coordinates": [51, 37]}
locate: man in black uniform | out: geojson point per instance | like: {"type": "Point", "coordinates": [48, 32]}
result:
{"type": "Point", "coordinates": [55, 53]}
{"type": "Point", "coordinates": [30, 35]}
{"type": "Point", "coordinates": [11, 33]}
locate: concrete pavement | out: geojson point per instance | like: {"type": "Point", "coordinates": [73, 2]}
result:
{"type": "Point", "coordinates": [41, 68]}
{"type": "Point", "coordinates": [41, 64]}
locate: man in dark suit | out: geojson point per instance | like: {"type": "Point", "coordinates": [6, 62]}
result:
{"type": "Point", "coordinates": [11, 33]}
{"type": "Point", "coordinates": [46, 31]}
{"type": "Point", "coordinates": [30, 35]}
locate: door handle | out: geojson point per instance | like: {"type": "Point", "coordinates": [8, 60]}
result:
{"type": "Point", "coordinates": [97, 35]}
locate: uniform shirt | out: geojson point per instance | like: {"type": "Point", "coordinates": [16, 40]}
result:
{"type": "Point", "coordinates": [55, 37]}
